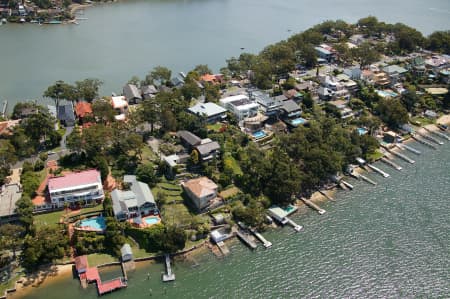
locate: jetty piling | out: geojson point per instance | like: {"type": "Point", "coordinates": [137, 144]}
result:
{"type": "Point", "coordinates": [403, 157]}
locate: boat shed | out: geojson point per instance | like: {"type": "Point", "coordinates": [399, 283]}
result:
{"type": "Point", "coordinates": [81, 264]}
{"type": "Point", "coordinates": [126, 253]}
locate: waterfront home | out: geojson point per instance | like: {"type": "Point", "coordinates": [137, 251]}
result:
{"type": "Point", "coordinates": [201, 191]}
{"type": "Point", "coordinates": [212, 112]}
{"type": "Point", "coordinates": [75, 188]}
{"type": "Point", "coordinates": [7, 127]}
{"type": "Point", "coordinates": [221, 234]}
{"type": "Point", "coordinates": [324, 54]}
{"type": "Point", "coordinates": [82, 110]}
{"type": "Point", "coordinates": [177, 82]}
{"type": "Point", "coordinates": [135, 202]}
{"type": "Point", "coordinates": [268, 105]}
{"type": "Point", "coordinates": [120, 106]}
{"type": "Point", "coordinates": [188, 139]}
{"type": "Point", "coordinates": [280, 214]}
{"type": "Point", "coordinates": [240, 106]}
{"type": "Point", "coordinates": [212, 79]}
{"type": "Point", "coordinates": [126, 253]}
{"type": "Point", "coordinates": [132, 94]}
{"type": "Point", "coordinates": [66, 115]}
{"type": "Point", "coordinates": [149, 91]}
{"type": "Point", "coordinates": [207, 149]}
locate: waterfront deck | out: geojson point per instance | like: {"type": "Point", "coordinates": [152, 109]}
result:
{"type": "Point", "coordinates": [432, 139]}
{"type": "Point", "coordinates": [437, 133]}
{"type": "Point", "coordinates": [103, 287]}
{"type": "Point", "coordinates": [401, 156]}
{"type": "Point", "coordinates": [168, 276]}
{"type": "Point", "coordinates": [348, 185]}
{"type": "Point", "coordinates": [260, 237]}
{"type": "Point", "coordinates": [294, 225]}
{"type": "Point", "coordinates": [409, 148]}
{"type": "Point", "coordinates": [245, 238]}
{"type": "Point", "coordinates": [424, 142]}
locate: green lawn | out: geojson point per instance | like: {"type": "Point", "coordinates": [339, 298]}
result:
{"type": "Point", "coordinates": [148, 154]}
{"type": "Point", "coordinates": [234, 165]}
{"type": "Point", "coordinates": [375, 156]}
{"type": "Point", "coordinates": [52, 219]}
{"type": "Point", "coordinates": [214, 127]}
{"type": "Point", "coordinates": [417, 120]}
{"type": "Point", "coordinates": [174, 194]}
{"type": "Point", "coordinates": [176, 214]}
{"type": "Point", "coordinates": [100, 258]}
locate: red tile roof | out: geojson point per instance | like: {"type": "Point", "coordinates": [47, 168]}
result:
{"type": "Point", "coordinates": [83, 108]}
{"type": "Point", "coordinates": [81, 263]}
{"type": "Point", "coordinates": [74, 179]}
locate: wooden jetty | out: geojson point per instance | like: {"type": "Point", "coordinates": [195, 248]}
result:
{"type": "Point", "coordinates": [326, 195]}
{"type": "Point", "coordinates": [437, 133]}
{"type": "Point", "coordinates": [294, 225]}
{"type": "Point", "coordinates": [260, 237]}
{"type": "Point", "coordinates": [103, 287]}
{"type": "Point", "coordinates": [5, 105]}
{"type": "Point", "coordinates": [223, 248]}
{"type": "Point", "coordinates": [391, 163]}
{"type": "Point", "coordinates": [423, 142]}
{"type": "Point", "coordinates": [348, 185]}
{"type": "Point", "coordinates": [245, 238]}
{"type": "Point", "coordinates": [403, 157]}
{"type": "Point", "coordinates": [313, 206]}
{"type": "Point", "coordinates": [168, 276]}
{"type": "Point", "coordinates": [367, 179]}
{"type": "Point", "coordinates": [409, 148]}
{"type": "Point", "coordinates": [376, 169]}
{"type": "Point", "coordinates": [430, 138]}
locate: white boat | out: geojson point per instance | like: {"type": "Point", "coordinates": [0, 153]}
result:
{"type": "Point", "coordinates": [22, 20]}
{"type": "Point", "coordinates": [3, 21]}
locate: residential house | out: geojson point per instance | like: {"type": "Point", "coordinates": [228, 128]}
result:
{"type": "Point", "coordinates": [82, 110]}
{"type": "Point", "coordinates": [75, 188]}
{"type": "Point", "coordinates": [136, 202]}
{"type": "Point", "coordinates": [270, 106]}
{"type": "Point", "coordinates": [120, 106]}
{"type": "Point", "coordinates": [357, 39]}
{"type": "Point", "coordinates": [202, 191]}
{"type": "Point", "coordinates": [395, 73]}
{"type": "Point", "coordinates": [10, 194]}
{"type": "Point", "coordinates": [132, 94]}
{"type": "Point", "coordinates": [380, 79]}
{"type": "Point", "coordinates": [308, 86]}
{"type": "Point", "coordinates": [213, 79]}
{"type": "Point", "coordinates": [240, 106]}
{"type": "Point", "coordinates": [293, 94]}
{"type": "Point", "coordinates": [290, 113]}
{"type": "Point", "coordinates": [177, 82]}
{"type": "Point", "coordinates": [174, 162]}
{"type": "Point", "coordinates": [324, 54]}
{"type": "Point", "coordinates": [347, 82]}
{"type": "Point", "coordinates": [354, 73]}
{"type": "Point", "coordinates": [207, 150]}
{"type": "Point", "coordinates": [188, 139]}
{"type": "Point", "coordinates": [430, 114]}
{"type": "Point", "coordinates": [66, 115]}
{"type": "Point", "coordinates": [343, 109]}
{"type": "Point", "coordinates": [7, 127]}
{"type": "Point", "coordinates": [211, 111]}
{"type": "Point", "coordinates": [149, 91]}
{"type": "Point", "coordinates": [417, 65]}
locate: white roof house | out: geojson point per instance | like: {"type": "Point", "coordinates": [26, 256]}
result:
{"type": "Point", "coordinates": [213, 112]}
{"type": "Point", "coordinates": [240, 106]}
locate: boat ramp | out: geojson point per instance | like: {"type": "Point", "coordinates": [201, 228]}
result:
{"type": "Point", "coordinates": [313, 206]}
{"type": "Point", "coordinates": [168, 276]}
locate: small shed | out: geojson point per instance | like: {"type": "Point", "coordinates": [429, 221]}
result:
{"type": "Point", "coordinates": [218, 218]}
{"type": "Point", "coordinates": [81, 264]}
{"type": "Point", "coordinates": [126, 253]}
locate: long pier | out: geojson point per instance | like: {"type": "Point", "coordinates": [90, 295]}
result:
{"type": "Point", "coordinates": [5, 105]}
{"type": "Point", "coordinates": [391, 163]}
{"type": "Point", "coordinates": [376, 169]}
{"type": "Point", "coordinates": [430, 138]}
{"type": "Point", "coordinates": [367, 179]}
{"type": "Point", "coordinates": [260, 237]}
{"type": "Point", "coordinates": [424, 142]}
{"type": "Point", "coordinates": [313, 206]}
{"type": "Point", "coordinates": [168, 276]}
{"type": "Point", "coordinates": [348, 185]}
{"type": "Point", "coordinates": [437, 133]}
{"type": "Point", "coordinates": [409, 148]}
{"type": "Point", "coordinates": [403, 157]}
{"type": "Point", "coordinates": [294, 225]}
{"type": "Point", "coordinates": [246, 239]}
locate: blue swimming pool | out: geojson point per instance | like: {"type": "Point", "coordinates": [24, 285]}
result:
{"type": "Point", "coordinates": [386, 93]}
{"type": "Point", "coordinates": [95, 223]}
{"type": "Point", "coordinates": [361, 131]}
{"type": "Point", "coordinates": [298, 121]}
{"type": "Point", "coordinates": [151, 220]}
{"type": "Point", "coordinates": [259, 134]}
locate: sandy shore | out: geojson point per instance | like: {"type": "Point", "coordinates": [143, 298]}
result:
{"type": "Point", "coordinates": [445, 119]}
{"type": "Point", "coordinates": [74, 7]}
{"type": "Point", "coordinates": [40, 278]}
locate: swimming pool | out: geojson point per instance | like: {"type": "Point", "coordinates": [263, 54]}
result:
{"type": "Point", "coordinates": [298, 121]}
{"type": "Point", "coordinates": [361, 131]}
{"type": "Point", "coordinates": [259, 134]}
{"type": "Point", "coordinates": [151, 220]}
{"type": "Point", "coordinates": [386, 93]}
{"type": "Point", "coordinates": [94, 223]}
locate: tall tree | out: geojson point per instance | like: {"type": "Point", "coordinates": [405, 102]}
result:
{"type": "Point", "coordinates": [59, 91]}
{"type": "Point", "coordinates": [7, 157]}
{"type": "Point", "coordinates": [87, 89]}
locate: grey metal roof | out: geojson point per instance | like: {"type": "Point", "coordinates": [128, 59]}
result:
{"type": "Point", "coordinates": [207, 148]}
{"type": "Point", "coordinates": [66, 113]}
{"type": "Point", "coordinates": [138, 195]}
{"type": "Point", "coordinates": [126, 250]}
{"type": "Point", "coordinates": [290, 106]}
{"type": "Point", "coordinates": [208, 109]}
{"type": "Point", "coordinates": [130, 91]}
{"type": "Point", "coordinates": [149, 89]}
{"type": "Point", "coordinates": [189, 138]}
